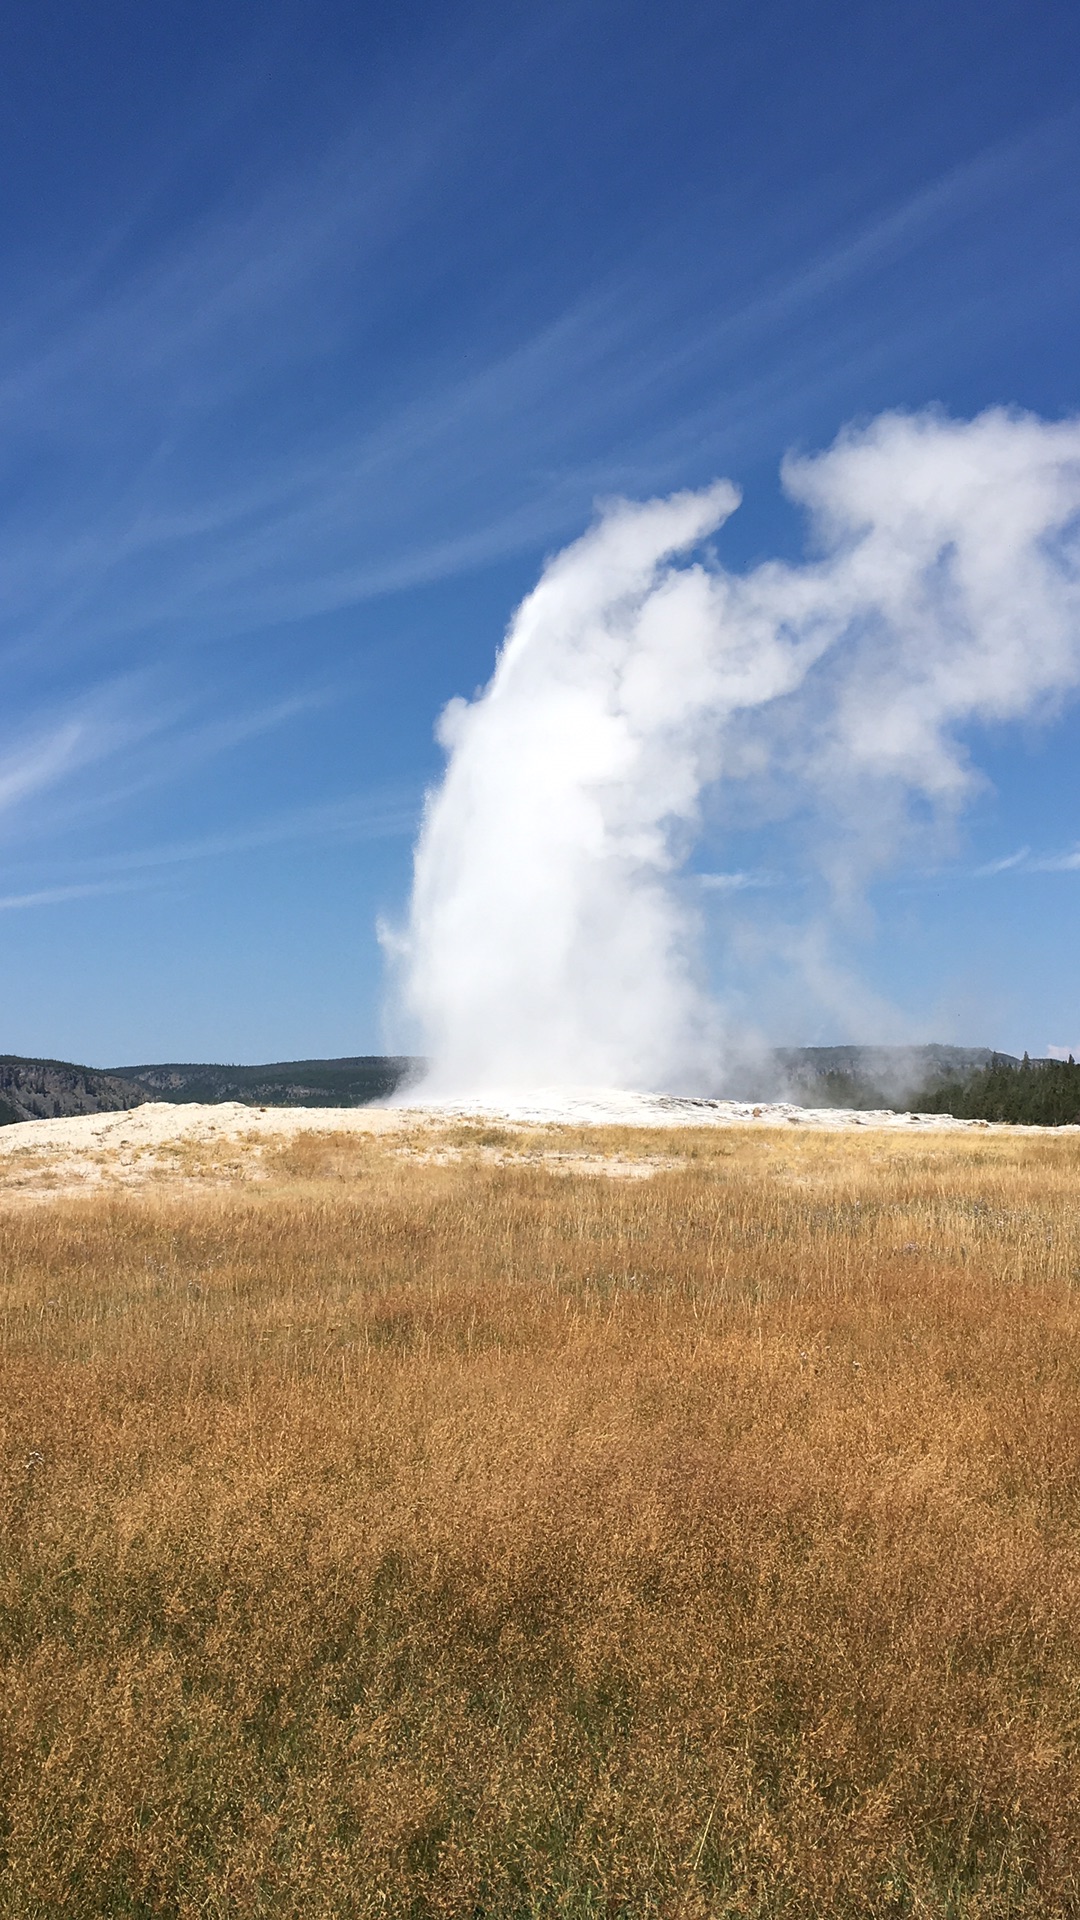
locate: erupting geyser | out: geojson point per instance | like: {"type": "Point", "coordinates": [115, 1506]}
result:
{"type": "Point", "coordinates": [550, 939]}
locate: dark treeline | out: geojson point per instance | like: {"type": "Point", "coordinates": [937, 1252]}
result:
{"type": "Point", "coordinates": [1025, 1093]}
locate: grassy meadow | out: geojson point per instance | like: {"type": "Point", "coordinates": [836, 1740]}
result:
{"type": "Point", "coordinates": [473, 1523]}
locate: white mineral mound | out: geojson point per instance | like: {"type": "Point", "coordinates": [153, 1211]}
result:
{"type": "Point", "coordinates": [159, 1122]}
{"type": "Point", "coordinates": [610, 1107]}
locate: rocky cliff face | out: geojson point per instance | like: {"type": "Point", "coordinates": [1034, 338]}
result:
{"type": "Point", "coordinates": [46, 1089]}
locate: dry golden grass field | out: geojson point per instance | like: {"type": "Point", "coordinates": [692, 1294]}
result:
{"type": "Point", "coordinates": [471, 1523]}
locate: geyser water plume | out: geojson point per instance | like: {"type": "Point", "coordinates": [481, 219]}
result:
{"type": "Point", "coordinates": [551, 940]}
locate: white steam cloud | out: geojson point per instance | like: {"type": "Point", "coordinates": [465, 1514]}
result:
{"type": "Point", "coordinates": [552, 939]}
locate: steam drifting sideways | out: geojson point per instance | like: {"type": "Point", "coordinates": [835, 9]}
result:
{"type": "Point", "coordinates": [552, 939]}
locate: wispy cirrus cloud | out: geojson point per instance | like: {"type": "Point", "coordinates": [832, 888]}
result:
{"type": "Point", "coordinates": [358, 818]}
{"type": "Point", "coordinates": [91, 758]}
{"type": "Point", "coordinates": [736, 882]}
{"type": "Point", "coordinates": [183, 505]}
{"type": "Point", "coordinates": [1058, 862]}
{"type": "Point", "coordinates": [59, 896]}
{"type": "Point", "coordinates": [45, 754]}
{"type": "Point", "coordinates": [1024, 860]}
{"type": "Point", "coordinates": [1006, 863]}
{"type": "Point", "coordinates": [353, 820]}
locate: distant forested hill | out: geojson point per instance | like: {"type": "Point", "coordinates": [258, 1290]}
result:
{"type": "Point", "coordinates": [50, 1089]}
{"type": "Point", "coordinates": [1025, 1093]}
{"type": "Point", "coordinates": [873, 1077]}
{"type": "Point", "coordinates": [971, 1082]}
{"type": "Point", "coordinates": [351, 1082]}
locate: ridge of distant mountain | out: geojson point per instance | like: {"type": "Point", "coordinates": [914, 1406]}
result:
{"type": "Point", "coordinates": [848, 1058]}
{"type": "Point", "coordinates": [353, 1081]}
{"type": "Point", "coordinates": [33, 1089]}
{"type": "Point", "coordinates": [870, 1077]}
{"type": "Point", "coordinates": [843, 1076]}
{"type": "Point", "coordinates": [821, 1076]}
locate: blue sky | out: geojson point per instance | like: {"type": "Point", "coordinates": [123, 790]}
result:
{"type": "Point", "coordinates": [324, 325]}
